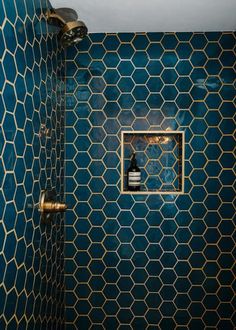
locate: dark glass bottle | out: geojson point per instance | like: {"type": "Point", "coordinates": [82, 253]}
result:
{"type": "Point", "coordinates": [133, 175]}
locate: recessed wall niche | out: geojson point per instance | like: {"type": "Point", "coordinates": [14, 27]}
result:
{"type": "Point", "coordinates": [160, 157]}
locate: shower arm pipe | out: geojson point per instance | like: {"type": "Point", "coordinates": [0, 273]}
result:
{"type": "Point", "coordinates": [51, 16]}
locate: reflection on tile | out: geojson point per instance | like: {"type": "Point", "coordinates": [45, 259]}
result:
{"type": "Point", "coordinates": [151, 261]}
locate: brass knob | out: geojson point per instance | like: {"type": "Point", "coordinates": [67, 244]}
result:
{"type": "Point", "coordinates": [53, 207]}
{"type": "Point", "coordinates": [49, 206]}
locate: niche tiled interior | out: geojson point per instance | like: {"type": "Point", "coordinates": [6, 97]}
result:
{"type": "Point", "coordinates": [154, 261]}
{"type": "Point", "coordinates": [160, 157]}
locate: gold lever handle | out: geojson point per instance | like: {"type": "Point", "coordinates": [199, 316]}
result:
{"type": "Point", "coordinates": [53, 207]}
{"type": "Point", "coordinates": [49, 206]}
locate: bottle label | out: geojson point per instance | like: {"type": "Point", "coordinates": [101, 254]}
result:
{"type": "Point", "coordinates": [134, 178]}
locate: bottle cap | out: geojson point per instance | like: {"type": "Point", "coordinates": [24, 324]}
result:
{"type": "Point", "coordinates": [133, 159]}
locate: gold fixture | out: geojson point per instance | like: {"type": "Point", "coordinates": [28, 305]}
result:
{"type": "Point", "coordinates": [47, 206]}
{"type": "Point", "coordinates": [51, 15]}
{"type": "Point", "coordinates": [71, 29]}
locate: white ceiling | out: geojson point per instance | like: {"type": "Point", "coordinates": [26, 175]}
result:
{"type": "Point", "coordinates": [154, 15]}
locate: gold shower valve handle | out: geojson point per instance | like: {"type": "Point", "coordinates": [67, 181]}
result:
{"type": "Point", "coordinates": [50, 206]}
{"type": "Point", "coordinates": [53, 207]}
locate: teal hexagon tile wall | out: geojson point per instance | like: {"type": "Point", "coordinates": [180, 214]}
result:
{"type": "Point", "coordinates": [150, 262]}
{"type": "Point", "coordinates": [31, 104]}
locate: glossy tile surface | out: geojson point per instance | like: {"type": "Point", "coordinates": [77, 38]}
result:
{"type": "Point", "coordinates": [31, 159]}
{"type": "Point", "coordinates": [150, 262]}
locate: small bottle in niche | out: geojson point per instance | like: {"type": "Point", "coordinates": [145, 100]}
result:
{"type": "Point", "coordinates": [133, 175]}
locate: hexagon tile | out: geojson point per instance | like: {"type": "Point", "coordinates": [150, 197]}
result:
{"type": "Point", "coordinates": [31, 104]}
{"type": "Point", "coordinates": [150, 261]}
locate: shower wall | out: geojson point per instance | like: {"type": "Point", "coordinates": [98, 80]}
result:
{"type": "Point", "coordinates": [31, 159]}
{"type": "Point", "coordinates": [154, 261]}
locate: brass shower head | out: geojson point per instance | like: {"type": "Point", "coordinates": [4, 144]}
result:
{"type": "Point", "coordinates": [72, 30]}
